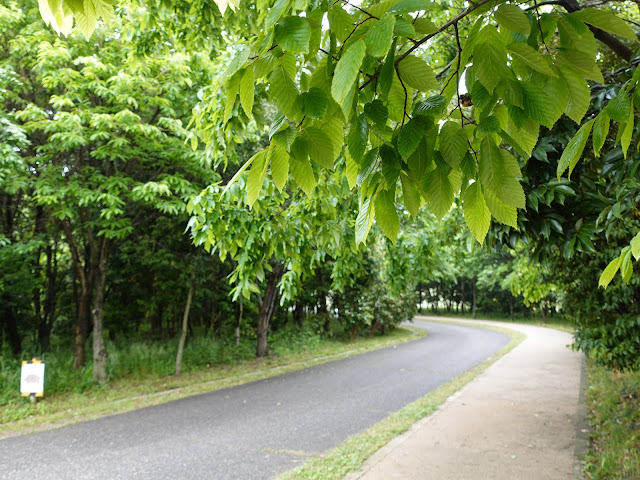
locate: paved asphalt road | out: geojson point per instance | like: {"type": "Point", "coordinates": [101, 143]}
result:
{"type": "Point", "coordinates": [253, 431]}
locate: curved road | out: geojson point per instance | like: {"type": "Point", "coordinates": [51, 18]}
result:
{"type": "Point", "coordinates": [257, 430]}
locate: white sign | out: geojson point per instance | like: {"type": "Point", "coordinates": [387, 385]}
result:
{"type": "Point", "coordinates": [32, 379]}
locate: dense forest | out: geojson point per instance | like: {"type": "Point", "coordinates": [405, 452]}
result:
{"type": "Point", "coordinates": [145, 166]}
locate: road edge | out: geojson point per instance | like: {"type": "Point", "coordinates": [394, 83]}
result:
{"type": "Point", "coordinates": [449, 390]}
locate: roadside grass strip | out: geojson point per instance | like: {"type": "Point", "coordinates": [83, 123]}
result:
{"type": "Point", "coordinates": [613, 401]}
{"type": "Point", "coordinates": [351, 455]}
{"type": "Point", "coordinates": [127, 394]}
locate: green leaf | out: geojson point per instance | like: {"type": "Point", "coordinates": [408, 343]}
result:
{"type": "Point", "coordinates": [303, 174]}
{"type": "Point", "coordinates": [386, 214]}
{"type": "Point", "coordinates": [247, 92]}
{"type": "Point", "coordinates": [364, 220]}
{"type": "Point", "coordinates": [606, 21]}
{"type": "Point", "coordinates": [627, 134]}
{"type": "Point", "coordinates": [279, 161]}
{"type": "Point", "coordinates": [293, 34]}
{"type": "Point", "coordinates": [513, 18]}
{"type": "Point", "coordinates": [321, 147]}
{"type": "Point", "coordinates": [573, 150]}
{"type": "Point", "coordinates": [635, 246]}
{"type": "Point", "coordinates": [490, 57]}
{"type": "Point", "coordinates": [502, 212]}
{"type": "Point", "coordinates": [275, 13]}
{"type": "Point", "coordinates": [347, 71]}
{"type": "Point", "coordinates": [387, 73]}
{"type": "Point", "coordinates": [618, 108]}
{"type": "Point", "coordinates": [600, 131]}
{"type": "Point", "coordinates": [579, 94]}
{"type": "Point", "coordinates": [417, 74]}
{"type": "Point", "coordinates": [314, 103]}
{"type": "Point", "coordinates": [379, 37]}
{"type": "Point", "coordinates": [256, 175]}
{"type": "Point", "coordinates": [283, 92]}
{"type": "Point", "coordinates": [434, 105]}
{"type": "Point", "coordinates": [368, 165]}
{"type": "Point", "coordinates": [424, 26]}
{"type": "Point", "coordinates": [238, 62]}
{"type": "Point", "coordinates": [258, 156]}
{"type": "Point", "coordinates": [377, 112]}
{"type": "Point", "coordinates": [408, 6]}
{"type": "Point", "coordinates": [357, 139]}
{"type": "Point", "coordinates": [609, 272]}
{"type": "Point", "coordinates": [538, 105]}
{"type": "Point", "coordinates": [352, 171]}
{"type": "Point", "coordinates": [453, 143]}
{"type": "Point", "coordinates": [497, 172]}
{"type": "Point", "coordinates": [232, 92]}
{"type": "Point", "coordinates": [410, 195]}
{"type": "Point", "coordinates": [438, 191]}
{"type": "Point", "coordinates": [488, 125]}
{"type": "Point", "coordinates": [476, 212]}
{"type": "Point", "coordinates": [530, 57]}
{"type": "Point", "coordinates": [410, 137]}
{"type": "Point", "coordinates": [626, 266]}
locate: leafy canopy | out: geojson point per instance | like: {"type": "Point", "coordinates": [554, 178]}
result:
{"type": "Point", "coordinates": [417, 118]}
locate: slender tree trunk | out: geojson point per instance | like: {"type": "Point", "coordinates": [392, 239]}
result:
{"type": "Point", "coordinates": [84, 276]}
{"type": "Point", "coordinates": [462, 298]}
{"type": "Point", "coordinates": [298, 313]}
{"type": "Point", "coordinates": [46, 320]}
{"type": "Point", "coordinates": [97, 314]}
{"type": "Point", "coordinates": [543, 310]}
{"type": "Point", "coordinates": [267, 309]}
{"type": "Point", "coordinates": [240, 313]}
{"type": "Point", "coordinates": [185, 324]}
{"type": "Point", "coordinates": [419, 298]}
{"type": "Point", "coordinates": [475, 297]}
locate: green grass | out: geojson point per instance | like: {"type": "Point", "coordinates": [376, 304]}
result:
{"type": "Point", "coordinates": [350, 456]}
{"type": "Point", "coordinates": [557, 321]}
{"type": "Point", "coordinates": [140, 375]}
{"type": "Point", "coordinates": [613, 401]}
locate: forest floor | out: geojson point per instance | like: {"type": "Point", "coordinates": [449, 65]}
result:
{"type": "Point", "coordinates": [130, 393]}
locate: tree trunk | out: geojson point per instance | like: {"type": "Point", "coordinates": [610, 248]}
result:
{"type": "Point", "coordinates": [298, 313]}
{"type": "Point", "coordinates": [84, 276]}
{"type": "Point", "coordinates": [462, 299]}
{"type": "Point", "coordinates": [543, 310]}
{"type": "Point", "coordinates": [46, 320]}
{"type": "Point", "coordinates": [240, 313]}
{"type": "Point", "coordinates": [267, 308]}
{"type": "Point", "coordinates": [475, 297]}
{"type": "Point", "coordinates": [97, 314]}
{"type": "Point", "coordinates": [185, 323]}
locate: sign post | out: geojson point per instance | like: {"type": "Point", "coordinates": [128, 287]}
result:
{"type": "Point", "coordinates": [32, 379]}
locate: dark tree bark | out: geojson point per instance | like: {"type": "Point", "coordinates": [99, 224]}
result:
{"type": "Point", "coordinates": [267, 309]}
{"type": "Point", "coordinates": [298, 314]}
{"type": "Point", "coordinates": [97, 316]}
{"type": "Point", "coordinates": [84, 276]}
{"type": "Point", "coordinates": [611, 41]}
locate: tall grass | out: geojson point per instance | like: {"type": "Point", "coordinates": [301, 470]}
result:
{"type": "Point", "coordinates": [143, 359]}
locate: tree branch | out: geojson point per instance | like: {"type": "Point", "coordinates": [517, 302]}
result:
{"type": "Point", "coordinates": [611, 41]}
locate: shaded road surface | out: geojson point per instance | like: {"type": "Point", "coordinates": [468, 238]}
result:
{"type": "Point", "coordinates": [253, 431]}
